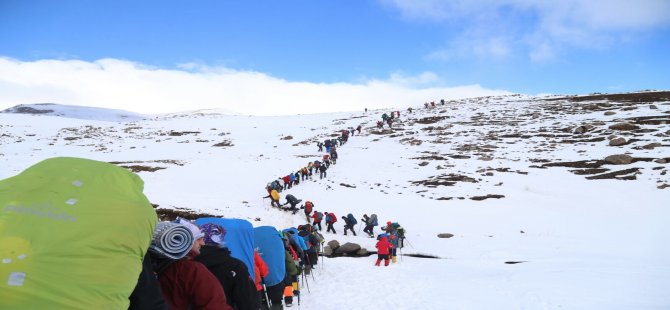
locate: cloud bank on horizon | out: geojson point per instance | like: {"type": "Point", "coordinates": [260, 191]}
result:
{"type": "Point", "coordinates": [126, 85]}
{"type": "Point", "coordinates": [324, 56]}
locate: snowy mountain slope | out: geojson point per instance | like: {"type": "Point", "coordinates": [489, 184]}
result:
{"type": "Point", "coordinates": [73, 111]}
{"type": "Point", "coordinates": [582, 243]}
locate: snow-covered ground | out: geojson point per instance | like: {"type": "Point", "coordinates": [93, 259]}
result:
{"type": "Point", "coordinates": [577, 243]}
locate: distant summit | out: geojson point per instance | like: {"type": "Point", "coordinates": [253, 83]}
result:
{"type": "Point", "coordinates": [79, 112]}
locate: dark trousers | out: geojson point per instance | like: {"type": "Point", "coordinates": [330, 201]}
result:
{"type": "Point", "coordinates": [349, 228]}
{"type": "Point", "coordinates": [315, 224]}
{"type": "Point", "coordinates": [322, 174]}
{"type": "Point", "coordinates": [368, 229]}
{"type": "Point", "coordinates": [330, 227]}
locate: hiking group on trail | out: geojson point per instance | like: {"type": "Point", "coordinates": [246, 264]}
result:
{"type": "Point", "coordinates": [209, 263]}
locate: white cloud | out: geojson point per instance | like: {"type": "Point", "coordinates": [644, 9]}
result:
{"type": "Point", "coordinates": [121, 84]}
{"type": "Point", "coordinates": [559, 24]}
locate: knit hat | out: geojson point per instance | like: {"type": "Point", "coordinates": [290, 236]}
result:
{"type": "Point", "coordinates": [214, 234]}
{"type": "Point", "coordinates": [197, 233]}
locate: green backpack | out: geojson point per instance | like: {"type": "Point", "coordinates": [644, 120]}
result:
{"type": "Point", "coordinates": [73, 233]}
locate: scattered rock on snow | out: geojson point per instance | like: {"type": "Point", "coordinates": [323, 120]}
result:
{"type": "Point", "coordinates": [617, 141]}
{"type": "Point", "coordinates": [620, 159]}
{"type": "Point", "coordinates": [348, 248]}
{"type": "Point", "coordinates": [445, 235]}
{"type": "Point", "coordinates": [624, 126]}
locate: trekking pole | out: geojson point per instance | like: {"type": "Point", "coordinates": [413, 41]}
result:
{"type": "Point", "coordinates": [265, 291]}
{"type": "Point", "coordinates": [310, 266]}
{"type": "Point", "coordinates": [304, 278]}
{"type": "Point", "coordinates": [408, 243]}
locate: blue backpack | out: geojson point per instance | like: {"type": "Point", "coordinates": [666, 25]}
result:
{"type": "Point", "coordinates": [352, 219]}
{"type": "Point", "coordinates": [373, 218]}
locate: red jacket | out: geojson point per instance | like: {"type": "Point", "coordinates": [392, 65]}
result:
{"type": "Point", "coordinates": [187, 284]}
{"type": "Point", "coordinates": [260, 270]}
{"type": "Point", "coordinates": [287, 179]}
{"type": "Point", "coordinates": [383, 246]}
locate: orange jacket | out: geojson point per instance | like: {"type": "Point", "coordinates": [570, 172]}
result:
{"type": "Point", "coordinates": [260, 270]}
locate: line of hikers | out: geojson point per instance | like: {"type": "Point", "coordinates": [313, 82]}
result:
{"type": "Point", "coordinates": [212, 271]}
{"type": "Point", "coordinates": [305, 173]}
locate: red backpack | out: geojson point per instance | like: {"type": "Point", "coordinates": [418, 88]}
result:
{"type": "Point", "coordinates": [332, 217]}
{"type": "Point", "coordinates": [308, 207]}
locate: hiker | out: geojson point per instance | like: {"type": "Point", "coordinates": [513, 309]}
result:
{"type": "Point", "coordinates": [442, 101]}
{"type": "Point", "coordinates": [291, 180]}
{"type": "Point", "coordinates": [287, 182]}
{"type": "Point", "coordinates": [261, 271]}
{"type": "Point", "coordinates": [333, 155]}
{"type": "Point", "coordinates": [310, 166]}
{"type": "Point", "coordinates": [290, 199]}
{"type": "Point", "coordinates": [311, 255]}
{"type": "Point", "coordinates": [396, 234]}
{"type": "Point", "coordinates": [185, 283]}
{"type": "Point", "coordinates": [232, 273]}
{"type": "Point", "coordinates": [308, 209]}
{"type": "Point", "coordinates": [359, 129]}
{"type": "Point", "coordinates": [304, 173]}
{"type": "Point", "coordinates": [432, 104]}
{"type": "Point", "coordinates": [318, 217]}
{"type": "Point", "coordinates": [291, 278]}
{"type": "Point", "coordinates": [409, 109]}
{"type": "Point", "coordinates": [426, 105]}
{"type": "Point", "coordinates": [370, 223]}
{"type": "Point", "coordinates": [383, 249]}
{"type": "Point", "coordinates": [349, 223]}
{"type": "Point", "coordinates": [297, 177]}
{"type": "Point", "coordinates": [322, 171]}
{"type": "Point", "coordinates": [274, 197]}
{"type": "Point", "coordinates": [389, 122]}
{"type": "Point", "coordinates": [328, 144]}
{"type": "Point", "coordinates": [320, 145]}
{"type": "Point", "coordinates": [330, 220]}
{"type": "Point", "coordinates": [380, 124]}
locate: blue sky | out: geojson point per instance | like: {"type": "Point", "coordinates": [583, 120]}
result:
{"type": "Point", "coordinates": [520, 46]}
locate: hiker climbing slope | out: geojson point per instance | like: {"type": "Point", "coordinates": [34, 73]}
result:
{"type": "Point", "coordinates": [349, 223]}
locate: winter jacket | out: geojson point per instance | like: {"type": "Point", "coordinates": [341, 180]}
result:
{"type": "Point", "coordinates": [291, 268]}
{"type": "Point", "coordinates": [323, 168]}
{"type": "Point", "coordinates": [147, 293]}
{"type": "Point", "coordinates": [383, 246]}
{"type": "Point", "coordinates": [233, 275]}
{"type": "Point", "coordinates": [287, 179]}
{"type": "Point", "coordinates": [292, 200]}
{"type": "Point", "coordinates": [187, 284]}
{"type": "Point", "coordinates": [260, 270]}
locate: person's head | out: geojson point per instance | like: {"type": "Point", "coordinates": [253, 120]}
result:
{"type": "Point", "coordinates": [214, 234]}
{"type": "Point", "coordinates": [198, 236]}
{"type": "Point", "coordinates": [388, 223]}
{"type": "Point", "coordinates": [197, 245]}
